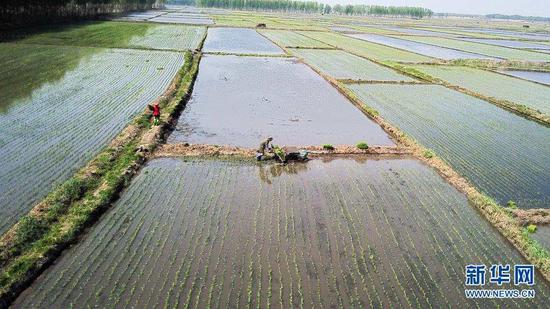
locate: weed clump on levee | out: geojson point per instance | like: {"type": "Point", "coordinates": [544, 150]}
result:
{"type": "Point", "coordinates": [428, 154]}
{"type": "Point", "coordinates": [512, 205]}
{"type": "Point", "coordinates": [371, 111]}
{"type": "Point", "coordinates": [531, 228]}
{"type": "Point", "coordinates": [362, 146]}
{"type": "Point", "coordinates": [328, 147]}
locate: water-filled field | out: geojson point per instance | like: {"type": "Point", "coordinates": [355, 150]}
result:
{"type": "Point", "coordinates": [52, 128]}
{"type": "Point", "coordinates": [121, 35]}
{"type": "Point", "coordinates": [341, 65]}
{"type": "Point", "coordinates": [485, 49]}
{"type": "Point", "coordinates": [540, 77]}
{"type": "Point", "coordinates": [493, 85]}
{"type": "Point", "coordinates": [366, 49]}
{"type": "Point", "coordinates": [238, 40]}
{"type": "Point", "coordinates": [509, 43]}
{"type": "Point", "coordinates": [542, 235]}
{"type": "Point", "coordinates": [241, 100]}
{"type": "Point", "coordinates": [502, 154]}
{"type": "Point", "coordinates": [419, 48]}
{"type": "Point", "coordinates": [341, 233]}
{"type": "Point", "coordinates": [287, 38]}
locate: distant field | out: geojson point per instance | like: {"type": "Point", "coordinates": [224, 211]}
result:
{"type": "Point", "coordinates": [489, 50]}
{"type": "Point", "coordinates": [121, 34]}
{"type": "Point", "coordinates": [239, 40]}
{"type": "Point", "coordinates": [504, 155]}
{"type": "Point", "coordinates": [540, 77]}
{"type": "Point", "coordinates": [341, 65]}
{"type": "Point", "coordinates": [376, 233]}
{"type": "Point", "coordinates": [60, 120]}
{"type": "Point", "coordinates": [287, 38]}
{"type": "Point", "coordinates": [493, 85]}
{"type": "Point", "coordinates": [366, 49]}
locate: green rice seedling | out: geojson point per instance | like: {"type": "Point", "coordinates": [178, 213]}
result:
{"type": "Point", "coordinates": [362, 145]}
{"type": "Point", "coordinates": [428, 154]}
{"type": "Point", "coordinates": [531, 228]}
{"type": "Point", "coordinates": [511, 204]}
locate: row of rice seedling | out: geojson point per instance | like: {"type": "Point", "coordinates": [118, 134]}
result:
{"type": "Point", "coordinates": [342, 65]}
{"type": "Point", "coordinates": [365, 49]}
{"type": "Point", "coordinates": [485, 49]}
{"type": "Point", "coordinates": [238, 40]}
{"type": "Point", "coordinates": [340, 233]}
{"type": "Point", "coordinates": [493, 85]}
{"type": "Point", "coordinates": [502, 154]}
{"type": "Point", "coordinates": [122, 35]}
{"type": "Point", "coordinates": [288, 38]}
{"type": "Point", "coordinates": [51, 132]}
{"type": "Point", "coordinates": [170, 37]}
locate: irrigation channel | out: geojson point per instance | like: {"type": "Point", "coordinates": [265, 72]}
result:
{"type": "Point", "coordinates": [208, 229]}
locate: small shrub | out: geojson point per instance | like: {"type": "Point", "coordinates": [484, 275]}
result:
{"type": "Point", "coordinates": [29, 230]}
{"type": "Point", "coordinates": [362, 145]}
{"type": "Point", "coordinates": [328, 147]}
{"type": "Point", "coordinates": [428, 154]}
{"type": "Point", "coordinates": [511, 204]}
{"type": "Point", "coordinates": [531, 228]}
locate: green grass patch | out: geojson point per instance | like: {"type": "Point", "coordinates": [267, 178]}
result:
{"type": "Point", "coordinates": [328, 147]}
{"type": "Point", "coordinates": [362, 146]}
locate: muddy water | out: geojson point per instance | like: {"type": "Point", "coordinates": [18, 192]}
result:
{"type": "Point", "coordinates": [541, 77]}
{"type": "Point", "coordinates": [419, 48]}
{"type": "Point", "coordinates": [241, 100]}
{"type": "Point", "coordinates": [239, 40]}
{"type": "Point", "coordinates": [542, 235]}
{"type": "Point", "coordinates": [342, 233]}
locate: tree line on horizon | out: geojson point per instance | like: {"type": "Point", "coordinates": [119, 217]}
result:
{"type": "Point", "coordinates": [316, 7]}
{"type": "Point", "coordinates": [14, 12]}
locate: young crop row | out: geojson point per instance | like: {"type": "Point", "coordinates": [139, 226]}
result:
{"type": "Point", "coordinates": [286, 38]}
{"type": "Point", "coordinates": [493, 85]}
{"type": "Point", "coordinates": [341, 65]}
{"type": "Point", "coordinates": [364, 48]}
{"type": "Point", "coordinates": [53, 131]}
{"type": "Point", "coordinates": [343, 233]}
{"type": "Point", "coordinates": [502, 154]}
{"type": "Point", "coordinates": [489, 50]}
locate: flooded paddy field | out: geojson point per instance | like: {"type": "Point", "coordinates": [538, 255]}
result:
{"type": "Point", "coordinates": [509, 43]}
{"type": "Point", "coordinates": [420, 48]}
{"type": "Point", "coordinates": [366, 49]}
{"type": "Point", "coordinates": [412, 31]}
{"type": "Point", "coordinates": [288, 38]}
{"type": "Point", "coordinates": [170, 37]}
{"type": "Point", "coordinates": [493, 85]}
{"type": "Point", "coordinates": [502, 154]}
{"type": "Point", "coordinates": [239, 40]}
{"type": "Point", "coordinates": [241, 100]}
{"type": "Point", "coordinates": [341, 65]}
{"type": "Point", "coordinates": [485, 49]}
{"type": "Point", "coordinates": [540, 77]}
{"type": "Point", "coordinates": [542, 235]}
{"type": "Point", "coordinates": [52, 124]}
{"type": "Point", "coordinates": [336, 233]}
{"type": "Point", "coordinates": [183, 19]}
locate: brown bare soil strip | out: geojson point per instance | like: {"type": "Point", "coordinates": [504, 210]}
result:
{"type": "Point", "coordinates": [193, 150]}
{"type": "Point", "coordinates": [532, 216]}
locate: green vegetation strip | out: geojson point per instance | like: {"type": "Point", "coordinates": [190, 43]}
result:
{"type": "Point", "coordinates": [59, 219]}
{"type": "Point", "coordinates": [523, 97]}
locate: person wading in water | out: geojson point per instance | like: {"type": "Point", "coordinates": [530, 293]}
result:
{"type": "Point", "coordinates": [264, 146]}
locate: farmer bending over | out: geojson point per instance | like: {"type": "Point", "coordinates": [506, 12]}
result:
{"type": "Point", "coordinates": [156, 113]}
{"type": "Point", "coordinates": [265, 145]}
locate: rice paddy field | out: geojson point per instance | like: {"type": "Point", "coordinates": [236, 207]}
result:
{"type": "Point", "coordinates": [343, 233]}
{"type": "Point", "coordinates": [362, 230]}
{"type": "Point", "coordinates": [239, 41]}
{"type": "Point", "coordinates": [493, 85]}
{"type": "Point", "coordinates": [283, 98]}
{"type": "Point", "coordinates": [342, 65]}
{"type": "Point", "coordinates": [504, 155]}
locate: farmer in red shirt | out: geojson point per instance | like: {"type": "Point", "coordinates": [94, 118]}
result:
{"type": "Point", "coordinates": [156, 113]}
